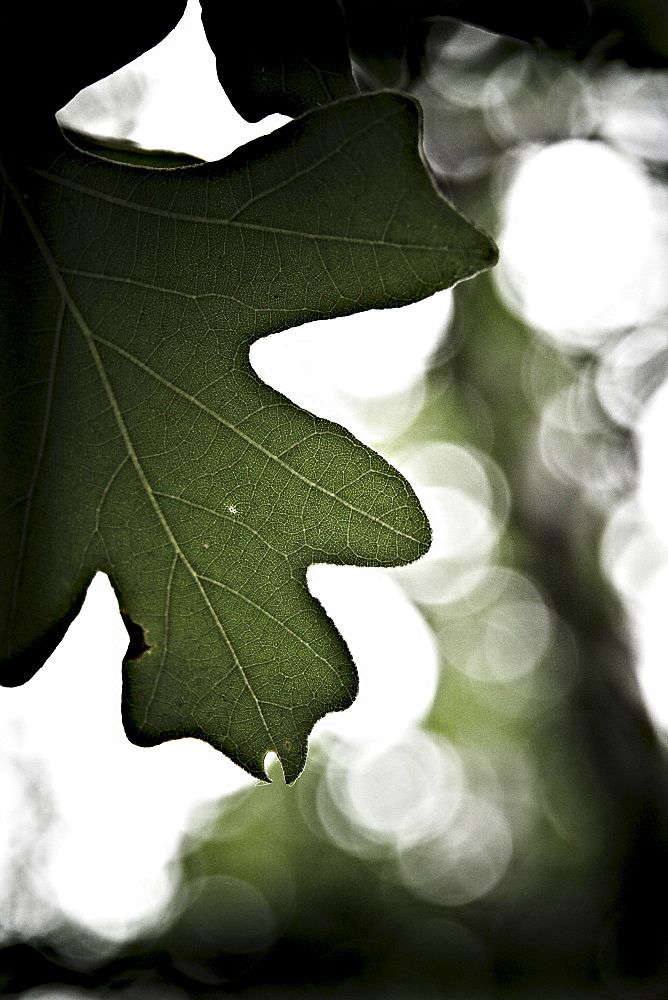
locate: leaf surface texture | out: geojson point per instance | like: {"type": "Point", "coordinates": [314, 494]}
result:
{"type": "Point", "coordinates": [138, 440]}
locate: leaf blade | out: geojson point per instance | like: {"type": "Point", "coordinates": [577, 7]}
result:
{"type": "Point", "coordinates": [203, 493]}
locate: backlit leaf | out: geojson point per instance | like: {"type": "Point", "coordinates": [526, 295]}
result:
{"type": "Point", "coordinates": [139, 441]}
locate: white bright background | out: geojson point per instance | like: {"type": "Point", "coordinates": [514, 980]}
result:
{"type": "Point", "coordinates": [583, 251]}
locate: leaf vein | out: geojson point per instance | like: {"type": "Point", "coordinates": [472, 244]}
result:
{"type": "Point", "coordinates": [331, 153]}
{"type": "Point", "coordinates": [249, 440]}
{"type": "Point", "coordinates": [235, 223]}
{"type": "Point", "coordinates": [134, 458]}
{"type": "Point", "coordinates": [273, 618]}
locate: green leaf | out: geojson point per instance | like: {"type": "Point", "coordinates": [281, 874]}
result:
{"type": "Point", "coordinates": [139, 441]}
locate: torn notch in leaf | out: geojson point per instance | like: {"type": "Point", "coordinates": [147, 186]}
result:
{"type": "Point", "coordinates": [137, 645]}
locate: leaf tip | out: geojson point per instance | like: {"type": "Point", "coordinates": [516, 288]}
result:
{"type": "Point", "coordinates": [492, 251]}
{"type": "Point", "coordinates": [287, 763]}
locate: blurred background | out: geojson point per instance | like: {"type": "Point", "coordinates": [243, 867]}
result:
{"type": "Point", "coordinates": [490, 818]}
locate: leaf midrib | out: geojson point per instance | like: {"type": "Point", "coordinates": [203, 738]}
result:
{"type": "Point", "coordinates": [134, 458]}
{"type": "Point", "coordinates": [235, 223]}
